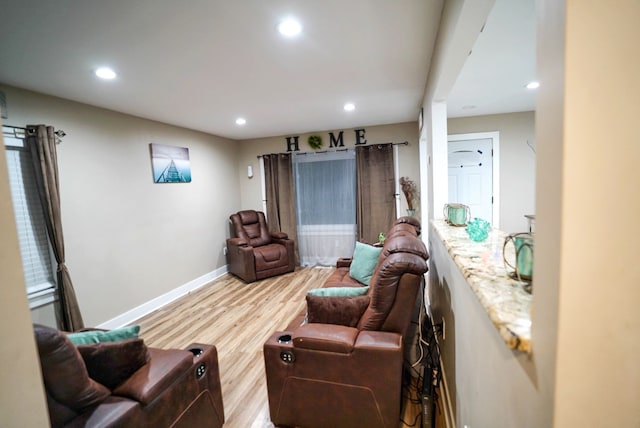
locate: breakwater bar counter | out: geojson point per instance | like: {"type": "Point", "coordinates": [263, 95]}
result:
{"type": "Point", "coordinates": [504, 298]}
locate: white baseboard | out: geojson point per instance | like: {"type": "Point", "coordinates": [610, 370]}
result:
{"type": "Point", "coordinates": [447, 408]}
{"type": "Point", "coordinates": [154, 304]}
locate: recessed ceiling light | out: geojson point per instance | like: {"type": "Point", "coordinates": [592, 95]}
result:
{"type": "Point", "coordinates": [290, 27]}
{"type": "Point", "coordinates": [241, 121]}
{"type": "Point", "coordinates": [533, 85]}
{"type": "Point", "coordinates": [349, 107]}
{"type": "Point", "coordinates": [105, 73]}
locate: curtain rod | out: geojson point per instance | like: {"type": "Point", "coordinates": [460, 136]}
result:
{"type": "Point", "coordinates": [404, 143]}
{"type": "Point", "coordinates": [21, 132]}
{"type": "Point", "coordinates": [14, 127]}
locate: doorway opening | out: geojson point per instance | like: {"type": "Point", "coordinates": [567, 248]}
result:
{"type": "Point", "coordinates": [474, 173]}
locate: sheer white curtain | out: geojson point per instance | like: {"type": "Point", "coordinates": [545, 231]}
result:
{"type": "Point", "coordinates": [325, 186]}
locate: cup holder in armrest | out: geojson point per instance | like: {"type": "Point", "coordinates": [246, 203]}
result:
{"type": "Point", "coordinates": [196, 351]}
{"type": "Point", "coordinates": [285, 338]}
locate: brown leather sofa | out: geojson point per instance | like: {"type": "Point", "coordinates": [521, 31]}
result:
{"type": "Point", "coordinates": [172, 387]}
{"type": "Point", "coordinates": [323, 374]}
{"type": "Point", "coordinates": [255, 253]}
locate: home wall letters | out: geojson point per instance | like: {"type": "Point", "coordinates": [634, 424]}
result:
{"type": "Point", "coordinates": [293, 143]}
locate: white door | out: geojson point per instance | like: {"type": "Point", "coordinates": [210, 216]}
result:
{"type": "Point", "coordinates": [470, 175]}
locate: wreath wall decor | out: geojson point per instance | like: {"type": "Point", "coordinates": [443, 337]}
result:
{"type": "Point", "coordinates": [315, 142]}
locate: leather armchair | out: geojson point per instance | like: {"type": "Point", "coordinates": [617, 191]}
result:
{"type": "Point", "coordinates": [255, 253]}
{"type": "Point", "coordinates": [321, 374]}
{"type": "Point", "coordinates": [173, 388]}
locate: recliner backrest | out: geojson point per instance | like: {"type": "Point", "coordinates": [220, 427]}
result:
{"type": "Point", "coordinates": [68, 386]}
{"type": "Point", "coordinates": [251, 226]}
{"type": "Point", "coordinates": [394, 283]}
{"type": "Point", "coordinates": [412, 221]}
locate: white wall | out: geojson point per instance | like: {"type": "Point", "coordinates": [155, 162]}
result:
{"type": "Point", "coordinates": [129, 240]}
{"type": "Point", "coordinates": [583, 369]}
{"type": "Point", "coordinates": [490, 385]}
{"type": "Point", "coordinates": [517, 162]}
{"type": "Point", "coordinates": [514, 381]}
{"type": "Point", "coordinates": [588, 111]}
{"type": "Point", "coordinates": [460, 23]}
{"type": "Point", "coordinates": [409, 164]}
{"type": "Point", "coordinates": [22, 399]}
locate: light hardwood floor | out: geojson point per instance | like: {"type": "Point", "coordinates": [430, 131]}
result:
{"type": "Point", "coordinates": [238, 318]}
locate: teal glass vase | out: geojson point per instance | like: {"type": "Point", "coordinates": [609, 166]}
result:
{"type": "Point", "coordinates": [478, 229]}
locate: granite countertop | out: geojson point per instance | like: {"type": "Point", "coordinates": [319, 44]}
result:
{"type": "Point", "coordinates": [481, 263]}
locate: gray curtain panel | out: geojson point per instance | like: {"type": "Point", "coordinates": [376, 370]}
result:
{"type": "Point", "coordinates": [42, 144]}
{"type": "Point", "coordinates": [375, 190]}
{"type": "Point", "coordinates": [281, 206]}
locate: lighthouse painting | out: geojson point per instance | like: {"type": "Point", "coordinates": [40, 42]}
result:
{"type": "Point", "coordinates": [170, 164]}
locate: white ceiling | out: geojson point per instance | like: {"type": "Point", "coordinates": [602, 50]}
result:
{"type": "Point", "coordinates": [201, 64]}
{"type": "Point", "coordinates": [502, 62]}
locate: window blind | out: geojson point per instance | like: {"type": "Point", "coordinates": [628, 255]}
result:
{"type": "Point", "coordinates": [32, 233]}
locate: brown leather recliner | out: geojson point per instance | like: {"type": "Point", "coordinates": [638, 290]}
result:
{"type": "Point", "coordinates": [321, 374]}
{"type": "Point", "coordinates": [255, 253]}
{"type": "Point", "coordinates": [139, 386]}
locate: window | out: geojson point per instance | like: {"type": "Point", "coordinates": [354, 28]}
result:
{"type": "Point", "coordinates": [325, 188]}
{"type": "Point", "coordinates": [326, 191]}
{"type": "Point", "coordinates": [37, 260]}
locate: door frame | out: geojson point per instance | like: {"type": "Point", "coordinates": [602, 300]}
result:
{"type": "Point", "coordinates": [495, 165]}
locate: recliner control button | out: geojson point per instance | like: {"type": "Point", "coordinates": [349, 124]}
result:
{"type": "Point", "coordinates": [287, 356]}
{"type": "Point", "coordinates": [201, 369]}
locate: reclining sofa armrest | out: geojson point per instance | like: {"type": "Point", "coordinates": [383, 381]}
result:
{"type": "Point", "coordinates": [165, 366]}
{"type": "Point", "coordinates": [282, 239]}
{"type": "Point", "coordinates": [207, 375]}
{"type": "Point", "coordinates": [240, 259]}
{"type": "Point", "coordinates": [379, 340]}
{"type": "Point", "coordinates": [205, 361]}
{"type": "Point", "coordinates": [343, 262]}
{"type": "Point", "coordinates": [325, 337]}
{"type": "Point", "coordinates": [237, 242]}
{"type": "Point", "coordinates": [279, 235]}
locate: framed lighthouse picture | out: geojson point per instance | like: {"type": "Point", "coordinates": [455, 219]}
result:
{"type": "Point", "coordinates": [170, 164]}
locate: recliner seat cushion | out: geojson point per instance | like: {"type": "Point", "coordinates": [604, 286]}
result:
{"type": "Point", "coordinates": [340, 277]}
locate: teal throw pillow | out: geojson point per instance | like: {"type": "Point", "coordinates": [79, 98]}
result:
{"type": "Point", "coordinates": [339, 291]}
{"type": "Point", "coordinates": [96, 336]}
{"type": "Point", "coordinates": [365, 258]}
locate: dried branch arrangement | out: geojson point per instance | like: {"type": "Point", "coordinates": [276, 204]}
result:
{"type": "Point", "coordinates": [410, 191]}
